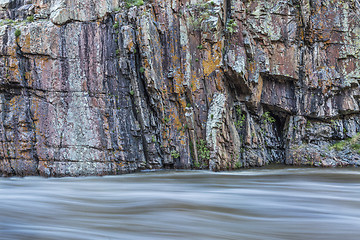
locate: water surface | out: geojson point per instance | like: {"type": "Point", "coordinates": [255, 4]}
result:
{"type": "Point", "coordinates": [259, 204]}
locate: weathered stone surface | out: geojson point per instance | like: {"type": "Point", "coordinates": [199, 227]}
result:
{"type": "Point", "coordinates": [107, 87]}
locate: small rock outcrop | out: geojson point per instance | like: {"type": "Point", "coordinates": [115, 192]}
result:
{"type": "Point", "coordinates": [107, 87]}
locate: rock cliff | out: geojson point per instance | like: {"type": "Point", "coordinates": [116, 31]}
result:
{"type": "Point", "coordinates": [94, 87]}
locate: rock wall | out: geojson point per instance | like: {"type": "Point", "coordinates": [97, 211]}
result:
{"type": "Point", "coordinates": [107, 87]}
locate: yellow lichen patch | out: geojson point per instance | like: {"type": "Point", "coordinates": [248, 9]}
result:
{"type": "Point", "coordinates": [119, 164]}
{"type": "Point", "coordinates": [30, 80]}
{"type": "Point", "coordinates": [194, 82]}
{"type": "Point", "coordinates": [252, 67]}
{"type": "Point", "coordinates": [35, 108]}
{"type": "Point", "coordinates": [175, 59]}
{"type": "Point", "coordinates": [146, 64]}
{"type": "Point", "coordinates": [178, 84]}
{"type": "Point", "coordinates": [12, 50]}
{"type": "Point", "coordinates": [301, 34]}
{"type": "Point", "coordinates": [14, 101]}
{"type": "Point", "coordinates": [165, 144]}
{"type": "Point", "coordinates": [165, 133]}
{"type": "Point", "coordinates": [27, 75]}
{"type": "Point", "coordinates": [26, 44]}
{"type": "Point", "coordinates": [176, 121]}
{"type": "Point", "coordinates": [182, 102]}
{"type": "Point", "coordinates": [211, 62]}
{"type": "Point", "coordinates": [42, 163]}
{"type": "Point", "coordinates": [130, 46]}
{"type": "Point", "coordinates": [147, 70]}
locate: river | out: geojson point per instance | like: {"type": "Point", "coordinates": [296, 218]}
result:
{"type": "Point", "coordinates": [283, 203]}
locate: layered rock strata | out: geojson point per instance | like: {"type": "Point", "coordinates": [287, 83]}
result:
{"type": "Point", "coordinates": [108, 87]}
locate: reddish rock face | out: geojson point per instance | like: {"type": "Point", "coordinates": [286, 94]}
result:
{"type": "Point", "coordinates": [107, 87]}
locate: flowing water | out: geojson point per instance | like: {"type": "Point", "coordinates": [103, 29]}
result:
{"type": "Point", "coordinates": [290, 203]}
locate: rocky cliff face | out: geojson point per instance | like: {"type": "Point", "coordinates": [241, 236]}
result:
{"type": "Point", "coordinates": [105, 87]}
